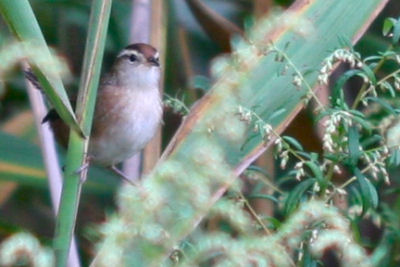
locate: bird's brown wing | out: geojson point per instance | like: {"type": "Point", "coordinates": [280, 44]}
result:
{"type": "Point", "coordinates": [59, 127]}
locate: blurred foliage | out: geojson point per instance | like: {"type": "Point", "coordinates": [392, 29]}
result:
{"type": "Point", "coordinates": [372, 206]}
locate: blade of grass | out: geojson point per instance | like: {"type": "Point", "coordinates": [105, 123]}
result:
{"type": "Point", "coordinates": [77, 148]}
{"type": "Point", "coordinates": [22, 22]}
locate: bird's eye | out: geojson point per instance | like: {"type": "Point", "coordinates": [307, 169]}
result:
{"type": "Point", "coordinates": [132, 58]}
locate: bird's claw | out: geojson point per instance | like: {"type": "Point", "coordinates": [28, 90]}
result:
{"type": "Point", "coordinates": [122, 175]}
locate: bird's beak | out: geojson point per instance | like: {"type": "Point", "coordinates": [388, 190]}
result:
{"type": "Point", "coordinates": [154, 62]}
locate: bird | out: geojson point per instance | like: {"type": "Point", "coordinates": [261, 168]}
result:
{"type": "Point", "coordinates": [128, 109]}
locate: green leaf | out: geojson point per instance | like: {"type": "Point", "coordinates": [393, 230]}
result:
{"type": "Point", "coordinates": [276, 114]}
{"type": "Point", "coordinates": [388, 86]}
{"type": "Point", "coordinates": [293, 142]}
{"type": "Point", "coordinates": [369, 74]}
{"type": "Point", "coordinates": [394, 159]}
{"type": "Point", "coordinates": [354, 145]}
{"type": "Point", "coordinates": [337, 94]}
{"type": "Point", "coordinates": [260, 170]}
{"type": "Point", "coordinates": [355, 197]}
{"type": "Point", "coordinates": [317, 172]}
{"type": "Point", "coordinates": [314, 156]}
{"type": "Point", "coordinates": [305, 155]}
{"type": "Point", "coordinates": [386, 106]}
{"type": "Point", "coordinates": [296, 194]}
{"type": "Point", "coordinates": [396, 32]}
{"type": "Point", "coordinates": [366, 125]}
{"type": "Point", "coordinates": [263, 196]}
{"type": "Point", "coordinates": [368, 192]}
{"type": "Point", "coordinates": [373, 58]}
{"type": "Point", "coordinates": [388, 25]}
{"type": "Point", "coordinates": [357, 113]}
{"type": "Point", "coordinates": [371, 140]}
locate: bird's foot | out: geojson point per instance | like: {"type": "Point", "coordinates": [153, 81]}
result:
{"type": "Point", "coordinates": [84, 168]}
{"type": "Point", "coordinates": [122, 175]}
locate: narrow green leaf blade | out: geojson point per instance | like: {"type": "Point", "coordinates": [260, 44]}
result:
{"type": "Point", "coordinates": [338, 88]}
{"type": "Point", "coordinates": [354, 145]}
{"type": "Point", "coordinates": [385, 105]}
{"type": "Point", "coordinates": [263, 196]}
{"type": "Point", "coordinates": [296, 194]}
{"type": "Point", "coordinates": [388, 25]}
{"type": "Point", "coordinates": [317, 172]}
{"type": "Point", "coordinates": [396, 32]}
{"type": "Point", "coordinates": [293, 142]}
{"type": "Point", "coordinates": [368, 192]}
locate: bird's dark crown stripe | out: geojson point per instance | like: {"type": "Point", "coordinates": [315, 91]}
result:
{"type": "Point", "coordinates": [145, 49]}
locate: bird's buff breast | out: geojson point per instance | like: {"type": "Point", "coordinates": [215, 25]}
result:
{"type": "Point", "coordinates": [124, 123]}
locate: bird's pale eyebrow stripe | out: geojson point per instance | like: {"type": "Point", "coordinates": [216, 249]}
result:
{"type": "Point", "coordinates": [128, 53]}
{"type": "Point", "coordinates": [156, 55]}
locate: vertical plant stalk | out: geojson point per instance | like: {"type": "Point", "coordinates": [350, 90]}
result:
{"type": "Point", "coordinates": [78, 145]}
{"type": "Point", "coordinates": [139, 33]}
{"type": "Point", "coordinates": [152, 151]}
{"type": "Point", "coordinates": [50, 158]}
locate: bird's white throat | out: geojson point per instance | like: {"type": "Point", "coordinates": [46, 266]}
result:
{"type": "Point", "coordinates": [139, 77]}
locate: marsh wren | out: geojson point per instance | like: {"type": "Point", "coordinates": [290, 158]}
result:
{"type": "Point", "coordinates": [128, 107]}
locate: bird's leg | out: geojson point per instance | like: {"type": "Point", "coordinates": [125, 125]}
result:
{"type": "Point", "coordinates": [84, 167]}
{"type": "Point", "coordinates": [123, 176]}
